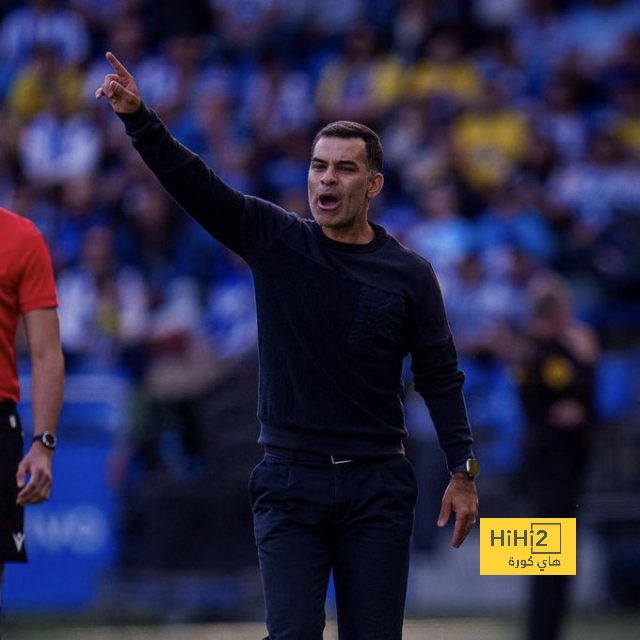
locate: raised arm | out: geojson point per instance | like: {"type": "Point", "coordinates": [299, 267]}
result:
{"type": "Point", "coordinates": [243, 223]}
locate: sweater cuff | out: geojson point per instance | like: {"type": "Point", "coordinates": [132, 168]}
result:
{"type": "Point", "coordinates": [136, 121]}
{"type": "Point", "coordinates": [449, 416]}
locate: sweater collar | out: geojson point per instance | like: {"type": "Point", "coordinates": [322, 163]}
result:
{"type": "Point", "coordinates": [334, 245]}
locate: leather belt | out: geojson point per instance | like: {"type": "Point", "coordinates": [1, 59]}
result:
{"type": "Point", "coordinates": [295, 455]}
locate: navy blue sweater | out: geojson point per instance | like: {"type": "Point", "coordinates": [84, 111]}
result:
{"type": "Point", "coordinates": [335, 320]}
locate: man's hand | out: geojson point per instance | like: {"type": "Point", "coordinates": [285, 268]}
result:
{"type": "Point", "coordinates": [37, 465]}
{"type": "Point", "coordinates": [462, 498]}
{"type": "Point", "coordinates": [119, 88]}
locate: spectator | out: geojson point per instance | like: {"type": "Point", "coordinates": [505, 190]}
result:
{"type": "Point", "coordinates": [498, 60]}
{"type": "Point", "coordinates": [56, 145]}
{"type": "Point", "coordinates": [443, 236]}
{"type": "Point", "coordinates": [362, 84]}
{"type": "Point", "coordinates": [594, 188]}
{"type": "Point", "coordinates": [43, 23]}
{"type": "Point", "coordinates": [537, 35]}
{"type": "Point", "coordinates": [624, 117]}
{"type": "Point", "coordinates": [330, 23]}
{"type": "Point", "coordinates": [560, 116]}
{"type": "Point", "coordinates": [80, 209]}
{"type": "Point", "coordinates": [277, 100]}
{"type": "Point", "coordinates": [511, 219]}
{"type": "Point", "coordinates": [611, 20]}
{"type": "Point", "coordinates": [44, 76]}
{"type": "Point", "coordinates": [475, 310]}
{"type": "Point", "coordinates": [247, 28]}
{"type": "Point", "coordinates": [445, 72]}
{"type": "Point", "coordinates": [489, 138]}
{"type": "Point", "coordinates": [413, 20]}
{"type": "Point", "coordinates": [286, 167]}
{"type": "Point", "coordinates": [556, 377]}
{"type": "Point", "coordinates": [104, 309]}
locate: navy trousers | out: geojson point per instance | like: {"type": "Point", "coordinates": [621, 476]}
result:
{"type": "Point", "coordinates": [354, 519]}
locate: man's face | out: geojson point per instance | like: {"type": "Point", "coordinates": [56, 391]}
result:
{"type": "Point", "coordinates": [340, 186]}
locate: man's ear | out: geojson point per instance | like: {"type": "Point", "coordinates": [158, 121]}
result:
{"type": "Point", "coordinates": [375, 185]}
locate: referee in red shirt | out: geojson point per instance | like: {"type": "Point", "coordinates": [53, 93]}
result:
{"type": "Point", "coordinates": [27, 290]}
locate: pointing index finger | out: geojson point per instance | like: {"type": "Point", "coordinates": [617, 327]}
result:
{"type": "Point", "coordinates": [118, 67]}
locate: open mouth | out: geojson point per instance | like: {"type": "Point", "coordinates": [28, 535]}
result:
{"type": "Point", "coordinates": [328, 202]}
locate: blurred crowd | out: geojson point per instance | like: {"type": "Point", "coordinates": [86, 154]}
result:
{"type": "Point", "coordinates": [511, 131]}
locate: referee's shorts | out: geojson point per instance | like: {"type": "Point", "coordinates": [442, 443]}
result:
{"type": "Point", "coordinates": [12, 544]}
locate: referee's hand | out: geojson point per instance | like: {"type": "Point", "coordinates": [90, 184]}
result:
{"type": "Point", "coordinates": [34, 477]}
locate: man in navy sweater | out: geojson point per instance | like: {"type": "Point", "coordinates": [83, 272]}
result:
{"type": "Point", "coordinates": [340, 304]}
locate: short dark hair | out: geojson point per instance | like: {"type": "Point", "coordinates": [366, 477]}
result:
{"type": "Point", "coordinates": [348, 129]}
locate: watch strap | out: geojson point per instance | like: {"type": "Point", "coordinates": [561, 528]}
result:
{"type": "Point", "coordinates": [47, 439]}
{"type": "Point", "coordinates": [470, 466]}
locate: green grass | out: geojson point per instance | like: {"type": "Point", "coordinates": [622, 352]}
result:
{"type": "Point", "coordinates": [609, 627]}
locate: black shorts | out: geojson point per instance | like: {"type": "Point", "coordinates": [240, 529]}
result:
{"type": "Point", "coordinates": [12, 545]}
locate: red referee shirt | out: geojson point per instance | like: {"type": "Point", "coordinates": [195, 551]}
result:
{"type": "Point", "coordinates": [26, 284]}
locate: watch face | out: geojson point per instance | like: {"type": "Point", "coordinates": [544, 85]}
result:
{"type": "Point", "coordinates": [473, 468]}
{"type": "Point", "coordinates": [47, 439]}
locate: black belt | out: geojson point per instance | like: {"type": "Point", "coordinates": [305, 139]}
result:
{"type": "Point", "coordinates": [7, 406]}
{"type": "Point", "coordinates": [295, 455]}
